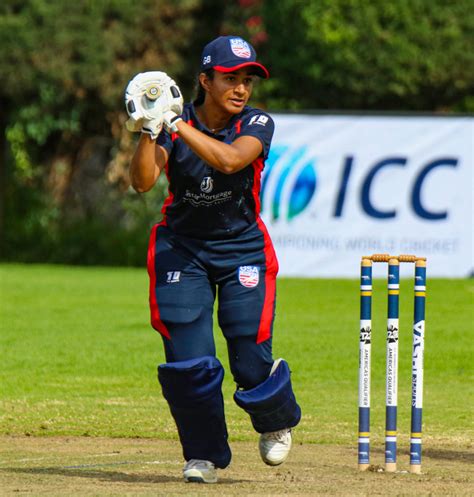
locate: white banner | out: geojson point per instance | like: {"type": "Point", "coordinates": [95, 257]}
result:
{"type": "Point", "coordinates": [339, 187]}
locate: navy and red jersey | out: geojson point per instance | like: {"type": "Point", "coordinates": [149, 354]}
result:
{"type": "Point", "coordinates": [203, 202]}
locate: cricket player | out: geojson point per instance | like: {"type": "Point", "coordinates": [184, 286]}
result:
{"type": "Point", "coordinates": [212, 243]}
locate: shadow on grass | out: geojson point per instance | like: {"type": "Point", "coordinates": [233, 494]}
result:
{"type": "Point", "coordinates": [451, 455]}
{"type": "Point", "coordinates": [86, 471]}
{"type": "Point", "coordinates": [462, 456]}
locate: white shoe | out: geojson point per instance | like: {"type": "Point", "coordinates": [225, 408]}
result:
{"type": "Point", "coordinates": [200, 471]}
{"type": "Point", "coordinates": [275, 446]}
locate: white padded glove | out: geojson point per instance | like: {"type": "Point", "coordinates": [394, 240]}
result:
{"type": "Point", "coordinates": [170, 119]}
{"type": "Point", "coordinates": [147, 97]}
{"type": "Point", "coordinates": [151, 126]}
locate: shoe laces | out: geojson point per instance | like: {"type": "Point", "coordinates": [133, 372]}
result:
{"type": "Point", "coordinates": [199, 464]}
{"type": "Point", "coordinates": [278, 436]}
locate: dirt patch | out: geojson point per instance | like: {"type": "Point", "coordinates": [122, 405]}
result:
{"type": "Point", "coordinates": [104, 466]}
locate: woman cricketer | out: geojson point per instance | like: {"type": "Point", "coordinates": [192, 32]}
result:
{"type": "Point", "coordinates": [212, 243]}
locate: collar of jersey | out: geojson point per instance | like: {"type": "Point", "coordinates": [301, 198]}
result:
{"type": "Point", "coordinates": [202, 127]}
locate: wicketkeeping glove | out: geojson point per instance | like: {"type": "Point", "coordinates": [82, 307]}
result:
{"type": "Point", "coordinates": [170, 119]}
{"type": "Point", "coordinates": [147, 97]}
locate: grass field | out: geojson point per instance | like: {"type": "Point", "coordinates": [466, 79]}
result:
{"type": "Point", "coordinates": [78, 358]}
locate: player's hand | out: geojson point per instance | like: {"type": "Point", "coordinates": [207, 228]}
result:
{"type": "Point", "coordinates": [151, 126]}
{"type": "Point", "coordinates": [147, 97]}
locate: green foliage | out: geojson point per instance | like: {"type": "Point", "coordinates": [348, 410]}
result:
{"type": "Point", "coordinates": [17, 140]}
{"type": "Point", "coordinates": [79, 356]}
{"type": "Point", "coordinates": [353, 54]}
{"type": "Point", "coordinates": [48, 235]}
{"type": "Point", "coordinates": [64, 65]}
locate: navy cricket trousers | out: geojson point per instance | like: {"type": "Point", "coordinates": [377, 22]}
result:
{"type": "Point", "coordinates": [186, 275]}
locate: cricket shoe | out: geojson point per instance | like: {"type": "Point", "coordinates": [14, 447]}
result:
{"type": "Point", "coordinates": [199, 471]}
{"type": "Point", "coordinates": [275, 446]}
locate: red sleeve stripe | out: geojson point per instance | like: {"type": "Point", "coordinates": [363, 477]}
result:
{"type": "Point", "coordinates": [238, 125]}
{"type": "Point", "coordinates": [271, 262]}
{"type": "Point", "coordinates": [156, 321]}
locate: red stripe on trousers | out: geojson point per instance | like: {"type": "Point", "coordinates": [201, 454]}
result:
{"type": "Point", "coordinates": [271, 262]}
{"type": "Point", "coordinates": [156, 321]}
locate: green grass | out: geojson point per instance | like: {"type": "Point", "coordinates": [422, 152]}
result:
{"type": "Point", "coordinates": [78, 356]}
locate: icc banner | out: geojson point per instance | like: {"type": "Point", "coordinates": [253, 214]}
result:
{"type": "Point", "coordinates": [338, 187]}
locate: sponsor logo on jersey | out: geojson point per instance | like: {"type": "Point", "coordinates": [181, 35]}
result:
{"type": "Point", "coordinates": [249, 276]}
{"type": "Point", "coordinates": [240, 48]}
{"type": "Point", "coordinates": [206, 200]}
{"type": "Point", "coordinates": [207, 184]}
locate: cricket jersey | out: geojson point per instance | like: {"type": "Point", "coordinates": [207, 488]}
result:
{"type": "Point", "coordinates": [205, 203]}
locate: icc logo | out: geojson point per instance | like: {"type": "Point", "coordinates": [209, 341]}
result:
{"type": "Point", "coordinates": [207, 184]}
{"type": "Point", "coordinates": [289, 182]}
{"type": "Point", "coordinates": [415, 196]}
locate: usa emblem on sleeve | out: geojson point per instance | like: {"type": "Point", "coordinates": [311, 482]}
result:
{"type": "Point", "coordinates": [249, 276]}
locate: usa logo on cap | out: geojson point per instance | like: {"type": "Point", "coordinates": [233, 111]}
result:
{"type": "Point", "coordinates": [249, 276]}
{"type": "Point", "coordinates": [240, 48]}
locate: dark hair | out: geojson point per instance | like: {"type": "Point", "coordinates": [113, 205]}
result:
{"type": "Point", "coordinates": [200, 91]}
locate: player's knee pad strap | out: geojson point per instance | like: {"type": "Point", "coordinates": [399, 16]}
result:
{"type": "Point", "coordinates": [193, 391]}
{"type": "Point", "coordinates": [271, 405]}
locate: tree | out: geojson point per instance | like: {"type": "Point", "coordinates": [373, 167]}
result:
{"type": "Point", "coordinates": [64, 67]}
{"type": "Point", "coordinates": [354, 54]}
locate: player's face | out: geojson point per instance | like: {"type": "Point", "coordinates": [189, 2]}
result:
{"type": "Point", "coordinates": [231, 91]}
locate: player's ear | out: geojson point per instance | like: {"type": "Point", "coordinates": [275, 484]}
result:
{"type": "Point", "coordinates": [205, 81]}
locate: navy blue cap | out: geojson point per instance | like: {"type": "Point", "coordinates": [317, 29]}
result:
{"type": "Point", "coordinates": [229, 53]}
